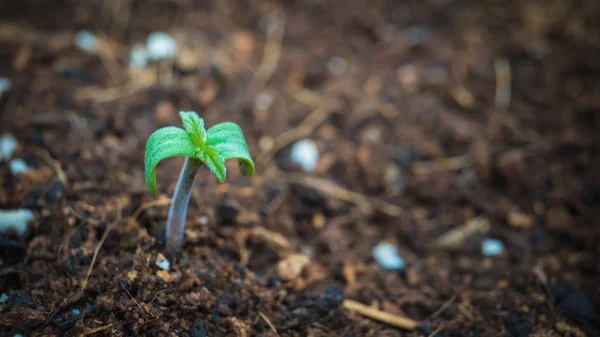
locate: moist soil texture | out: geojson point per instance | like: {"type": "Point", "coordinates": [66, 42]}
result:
{"type": "Point", "coordinates": [441, 126]}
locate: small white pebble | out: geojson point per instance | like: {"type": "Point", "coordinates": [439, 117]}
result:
{"type": "Point", "coordinates": [15, 220]}
{"type": "Point", "coordinates": [76, 311]}
{"type": "Point", "coordinates": [305, 153]}
{"type": "Point", "coordinates": [87, 41]}
{"type": "Point", "coordinates": [337, 65]}
{"type": "Point", "coordinates": [492, 247]}
{"type": "Point", "coordinates": [138, 57]}
{"type": "Point", "coordinates": [5, 84]}
{"type": "Point", "coordinates": [204, 220]}
{"type": "Point", "coordinates": [161, 46]}
{"type": "Point", "coordinates": [8, 144]}
{"type": "Point", "coordinates": [162, 262]}
{"type": "Point", "coordinates": [263, 101]}
{"type": "Point", "coordinates": [386, 254]}
{"type": "Point", "coordinates": [18, 166]}
{"type": "Point", "coordinates": [3, 298]}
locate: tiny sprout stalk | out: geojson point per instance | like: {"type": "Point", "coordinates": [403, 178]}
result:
{"type": "Point", "coordinates": [210, 147]}
{"type": "Point", "coordinates": [179, 205]}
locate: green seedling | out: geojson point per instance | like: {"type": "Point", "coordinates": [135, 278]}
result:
{"type": "Point", "coordinates": [212, 148]}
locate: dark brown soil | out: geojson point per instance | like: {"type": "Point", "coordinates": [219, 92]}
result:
{"type": "Point", "coordinates": [411, 124]}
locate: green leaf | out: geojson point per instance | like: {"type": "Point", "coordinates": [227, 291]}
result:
{"type": "Point", "coordinates": [228, 139]}
{"type": "Point", "coordinates": [194, 126]}
{"type": "Point", "coordinates": [215, 162]}
{"type": "Point", "coordinates": [165, 142]}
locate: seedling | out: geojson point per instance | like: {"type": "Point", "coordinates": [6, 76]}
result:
{"type": "Point", "coordinates": [212, 148]}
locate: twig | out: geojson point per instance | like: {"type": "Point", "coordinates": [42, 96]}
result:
{"type": "Point", "coordinates": [108, 58]}
{"type": "Point", "coordinates": [456, 237]}
{"type": "Point", "coordinates": [305, 128]}
{"type": "Point", "coordinates": [465, 311]}
{"type": "Point", "coordinates": [138, 304]}
{"type": "Point", "coordinates": [442, 308]}
{"type": "Point", "coordinates": [145, 206]}
{"type": "Point", "coordinates": [503, 96]}
{"type": "Point", "coordinates": [92, 221]}
{"type": "Point", "coordinates": [331, 189]}
{"type": "Point", "coordinates": [52, 162]}
{"type": "Point", "coordinates": [98, 329]}
{"type": "Point", "coordinates": [378, 315]}
{"type": "Point", "coordinates": [264, 317]}
{"type": "Point", "coordinates": [97, 250]}
{"type": "Point", "coordinates": [436, 331]}
{"type": "Point", "coordinates": [503, 82]}
{"type": "Point", "coordinates": [104, 95]}
{"type": "Point", "coordinates": [443, 164]}
{"type": "Point", "coordinates": [272, 51]}
{"type": "Point", "coordinates": [543, 278]}
{"type": "Point", "coordinates": [277, 202]}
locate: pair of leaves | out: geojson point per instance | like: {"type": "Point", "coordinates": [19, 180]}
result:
{"type": "Point", "coordinates": [213, 147]}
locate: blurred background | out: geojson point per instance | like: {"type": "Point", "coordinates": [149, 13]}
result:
{"type": "Point", "coordinates": [435, 160]}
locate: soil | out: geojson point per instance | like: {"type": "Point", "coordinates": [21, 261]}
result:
{"type": "Point", "coordinates": [430, 116]}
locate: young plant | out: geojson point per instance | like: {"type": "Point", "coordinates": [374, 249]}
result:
{"type": "Point", "coordinates": [200, 147]}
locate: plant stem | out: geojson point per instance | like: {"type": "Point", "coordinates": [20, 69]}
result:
{"type": "Point", "coordinates": [179, 205]}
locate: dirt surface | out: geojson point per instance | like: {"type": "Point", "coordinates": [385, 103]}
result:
{"type": "Point", "coordinates": [430, 116]}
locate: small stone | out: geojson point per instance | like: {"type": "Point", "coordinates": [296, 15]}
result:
{"type": "Point", "coordinates": [18, 335]}
{"type": "Point", "coordinates": [3, 298]}
{"type": "Point", "coordinates": [8, 144]}
{"type": "Point", "coordinates": [386, 254]}
{"type": "Point", "coordinates": [86, 41]}
{"type": "Point", "coordinates": [15, 220]}
{"type": "Point", "coordinates": [520, 220]}
{"type": "Point", "coordinates": [138, 57]}
{"type": "Point", "coordinates": [291, 267]}
{"type": "Point", "coordinates": [18, 166]}
{"type": "Point", "coordinates": [5, 84]}
{"type": "Point", "coordinates": [337, 65]}
{"type": "Point", "coordinates": [204, 220]}
{"type": "Point", "coordinates": [164, 275]}
{"type": "Point", "coordinates": [132, 275]}
{"type": "Point", "coordinates": [492, 247]}
{"type": "Point", "coordinates": [162, 262]}
{"type": "Point", "coordinates": [318, 221]}
{"type": "Point", "coordinates": [76, 311]}
{"type": "Point", "coordinates": [161, 46]}
{"type": "Point", "coordinates": [305, 153]}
